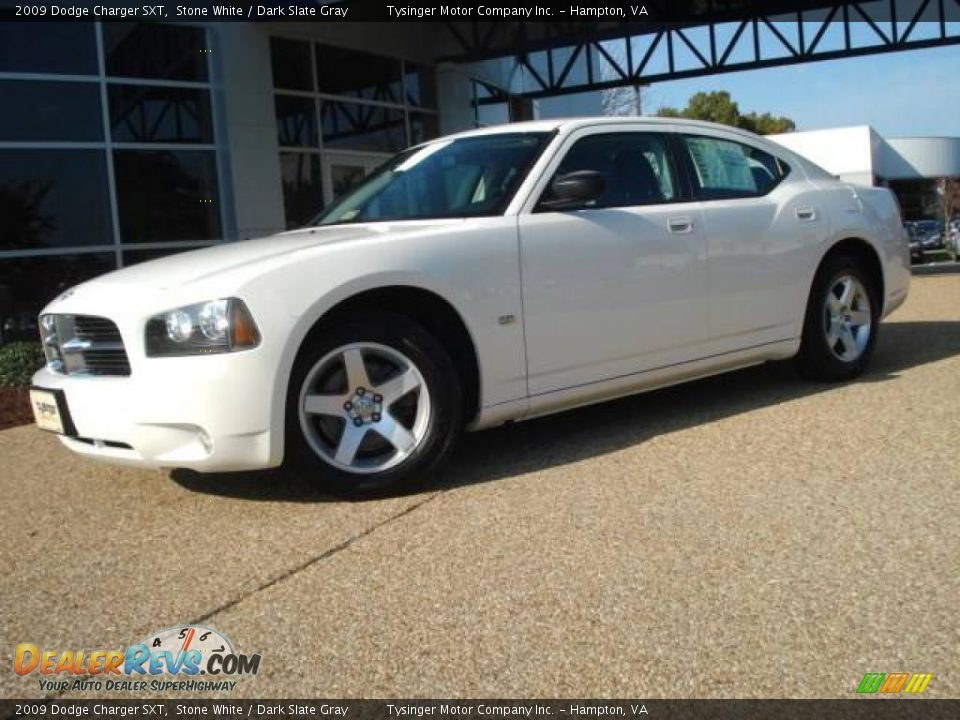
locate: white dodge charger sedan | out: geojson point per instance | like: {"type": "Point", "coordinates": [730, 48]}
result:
{"type": "Point", "coordinates": [477, 279]}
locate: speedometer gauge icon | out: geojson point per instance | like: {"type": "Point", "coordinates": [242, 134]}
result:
{"type": "Point", "coordinates": [184, 638]}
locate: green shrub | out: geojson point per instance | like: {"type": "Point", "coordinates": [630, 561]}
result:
{"type": "Point", "coordinates": [19, 361]}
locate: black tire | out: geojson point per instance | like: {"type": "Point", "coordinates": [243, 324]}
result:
{"type": "Point", "coordinates": [442, 381]}
{"type": "Point", "coordinates": [815, 359]}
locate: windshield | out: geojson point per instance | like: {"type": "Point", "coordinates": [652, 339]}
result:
{"type": "Point", "coordinates": [468, 177]}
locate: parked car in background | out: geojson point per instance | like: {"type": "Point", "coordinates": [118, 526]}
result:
{"type": "Point", "coordinates": [477, 279]}
{"type": "Point", "coordinates": [931, 234]}
{"type": "Point", "coordinates": [916, 242]}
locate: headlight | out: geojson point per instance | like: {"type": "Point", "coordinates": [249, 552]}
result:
{"type": "Point", "coordinates": [51, 342]}
{"type": "Point", "coordinates": [215, 326]}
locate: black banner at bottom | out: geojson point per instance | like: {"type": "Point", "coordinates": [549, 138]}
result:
{"type": "Point", "coordinates": [854, 709]}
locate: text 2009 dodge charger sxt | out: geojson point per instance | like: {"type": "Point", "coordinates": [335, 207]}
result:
{"type": "Point", "coordinates": [484, 277]}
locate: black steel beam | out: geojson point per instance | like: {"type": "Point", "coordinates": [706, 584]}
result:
{"type": "Point", "coordinates": [719, 70]}
{"type": "Point", "coordinates": [710, 55]}
{"type": "Point", "coordinates": [501, 38]}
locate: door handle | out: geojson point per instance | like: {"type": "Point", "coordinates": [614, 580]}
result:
{"type": "Point", "coordinates": [806, 214]}
{"type": "Point", "coordinates": [679, 225]}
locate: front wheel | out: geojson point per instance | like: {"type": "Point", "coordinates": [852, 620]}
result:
{"type": "Point", "coordinates": [840, 328]}
{"type": "Point", "coordinates": [373, 406]}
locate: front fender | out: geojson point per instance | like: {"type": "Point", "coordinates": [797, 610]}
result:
{"type": "Point", "coordinates": [474, 267]}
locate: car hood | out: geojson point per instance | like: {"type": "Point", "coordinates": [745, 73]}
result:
{"type": "Point", "coordinates": [200, 265]}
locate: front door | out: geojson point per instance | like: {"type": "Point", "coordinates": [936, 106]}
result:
{"type": "Point", "coordinates": [618, 287]}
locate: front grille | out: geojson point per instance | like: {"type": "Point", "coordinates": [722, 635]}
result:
{"type": "Point", "coordinates": [83, 345]}
{"type": "Point", "coordinates": [96, 328]}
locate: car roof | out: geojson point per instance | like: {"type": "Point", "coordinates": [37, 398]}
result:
{"type": "Point", "coordinates": [565, 125]}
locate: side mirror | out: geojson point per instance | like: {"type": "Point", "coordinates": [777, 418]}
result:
{"type": "Point", "coordinates": [574, 190]}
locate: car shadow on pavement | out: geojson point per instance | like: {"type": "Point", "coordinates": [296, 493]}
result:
{"type": "Point", "coordinates": [607, 427]}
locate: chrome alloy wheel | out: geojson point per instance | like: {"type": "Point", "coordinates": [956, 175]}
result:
{"type": "Point", "coordinates": [364, 408]}
{"type": "Point", "coordinates": [847, 318]}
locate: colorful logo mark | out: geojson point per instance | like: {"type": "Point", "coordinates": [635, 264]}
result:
{"type": "Point", "coordinates": [189, 650]}
{"type": "Point", "coordinates": [894, 683]}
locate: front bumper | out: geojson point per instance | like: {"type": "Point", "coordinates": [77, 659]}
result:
{"type": "Point", "coordinates": [208, 413]}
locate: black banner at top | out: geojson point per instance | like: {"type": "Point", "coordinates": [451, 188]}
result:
{"type": "Point", "coordinates": [586, 11]}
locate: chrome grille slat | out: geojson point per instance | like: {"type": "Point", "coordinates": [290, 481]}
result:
{"type": "Point", "coordinates": [78, 345]}
{"type": "Point", "coordinates": [85, 345]}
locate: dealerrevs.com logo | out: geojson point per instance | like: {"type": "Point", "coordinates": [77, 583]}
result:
{"type": "Point", "coordinates": [198, 658]}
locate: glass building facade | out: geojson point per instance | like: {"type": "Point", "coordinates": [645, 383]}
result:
{"type": "Point", "coordinates": [340, 113]}
{"type": "Point", "coordinates": [118, 150]}
{"type": "Point", "coordinates": [111, 156]}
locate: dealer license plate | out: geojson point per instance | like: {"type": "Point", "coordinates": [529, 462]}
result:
{"type": "Point", "coordinates": [46, 410]}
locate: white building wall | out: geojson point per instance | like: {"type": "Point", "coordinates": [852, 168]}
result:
{"type": "Point", "coordinates": [251, 130]}
{"type": "Point", "coordinates": [860, 155]}
{"type": "Point", "coordinates": [845, 152]}
{"type": "Point", "coordinates": [919, 157]}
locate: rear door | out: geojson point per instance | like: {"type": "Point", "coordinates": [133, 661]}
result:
{"type": "Point", "coordinates": [616, 287]}
{"type": "Point", "coordinates": [760, 218]}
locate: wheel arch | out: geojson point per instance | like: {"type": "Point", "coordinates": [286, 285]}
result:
{"type": "Point", "coordinates": [863, 249]}
{"type": "Point", "coordinates": [424, 306]}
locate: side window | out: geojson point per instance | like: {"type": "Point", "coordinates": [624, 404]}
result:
{"type": "Point", "coordinates": [636, 166]}
{"type": "Point", "coordinates": [727, 169]}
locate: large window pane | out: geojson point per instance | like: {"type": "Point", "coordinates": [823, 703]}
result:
{"type": "Point", "coordinates": [140, 113]}
{"type": "Point", "coordinates": [919, 199]}
{"type": "Point", "coordinates": [134, 257]}
{"type": "Point", "coordinates": [350, 126]}
{"type": "Point", "coordinates": [302, 189]}
{"type": "Point", "coordinates": [296, 121]}
{"type": "Point", "coordinates": [291, 64]}
{"type": "Point", "coordinates": [53, 198]}
{"type": "Point", "coordinates": [358, 74]}
{"type": "Point", "coordinates": [48, 47]}
{"type": "Point", "coordinates": [419, 83]}
{"type": "Point", "coordinates": [42, 106]}
{"type": "Point", "coordinates": [423, 127]}
{"type": "Point", "coordinates": [27, 284]}
{"type": "Point", "coordinates": [147, 50]}
{"type": "Point", "coordinates": [166, 195]}
{"type": "Point", "coordinates": [344, 177]}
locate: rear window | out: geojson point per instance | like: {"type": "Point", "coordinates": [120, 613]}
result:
{"type": "Point", "coordinates": [727, 169]}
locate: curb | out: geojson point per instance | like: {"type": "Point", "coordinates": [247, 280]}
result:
{"type": "Point", "coordinates": [936, 268]}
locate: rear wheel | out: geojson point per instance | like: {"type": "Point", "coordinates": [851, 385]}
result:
{"type": "Point", "coordinates": [374, 405]}
{"type": "Point", "coordinates": [840, 328]}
